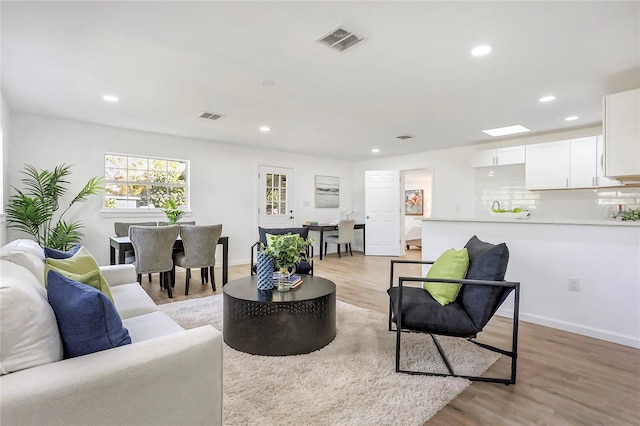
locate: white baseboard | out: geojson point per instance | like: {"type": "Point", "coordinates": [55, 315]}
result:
{"type": "Point", "coordinates": [596, 333]}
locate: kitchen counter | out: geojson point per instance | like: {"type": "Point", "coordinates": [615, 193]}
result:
{"type": "Point", "coordinates": [540, 221]}
{"type": "Point", "coordinates": [603, 257]}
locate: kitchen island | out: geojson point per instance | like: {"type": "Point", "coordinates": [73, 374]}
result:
{"type": "Point", "coordinates": [603, 256]}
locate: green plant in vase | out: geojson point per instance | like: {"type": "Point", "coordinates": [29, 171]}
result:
{"type": "Point", "coordinates": [172, 211]}
{"type": "Point", "coordinates": [33, 209]}
{"type": "Point", "coordinates": [286, 251]}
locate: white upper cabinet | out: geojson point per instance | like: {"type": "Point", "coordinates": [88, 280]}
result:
{"type": "Point", "coordinates": [622, 135]}
{"type": "Point", "coordinates": [575, 163]}
{"type": "Point", "coordinates": [548, 165]}
{"type": "Point", "coordinates": [601, 179]}
{"type": "Point", "coordinates": [583, 162]}
{"type": "Point", "coordinates": [498, 157]}
{"type": "Point", "coordinates": [484, 158]}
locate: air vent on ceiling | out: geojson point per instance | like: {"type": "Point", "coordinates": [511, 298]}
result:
{"type": "Point", "coordinates": [210, 116]}
{"type": "Point", "coordinates": [405, 136]}
{"type": "Point", "coordinates": [340, 39]}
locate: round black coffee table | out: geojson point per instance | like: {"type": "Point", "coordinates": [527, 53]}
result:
{"type": "Point", "coordinates": [270, 322]}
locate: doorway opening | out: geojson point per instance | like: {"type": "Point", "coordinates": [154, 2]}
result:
{"type": "Point", "coordinates": [417, 186]}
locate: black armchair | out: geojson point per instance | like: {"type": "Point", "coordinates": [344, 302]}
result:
{"type": "Point", "coordinates": [304, 267]}
{"type": "Point", "coordinates": [412, 309]}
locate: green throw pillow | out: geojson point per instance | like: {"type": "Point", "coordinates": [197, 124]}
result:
{"type": "Point", "coordinates": [81, 267]}
{"type": "Point", "coordinates": [269, 238]}
{"type": "Point", "coordinates": [451, 264]}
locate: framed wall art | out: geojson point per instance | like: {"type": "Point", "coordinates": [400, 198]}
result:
{"type": "Point", "coordinates": [327, 191]}
{"type": "Point", "coordinates": [413, 202]}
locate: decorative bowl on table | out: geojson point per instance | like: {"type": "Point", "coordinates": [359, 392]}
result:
{"type": "Point", "coordinates": [510, 214]}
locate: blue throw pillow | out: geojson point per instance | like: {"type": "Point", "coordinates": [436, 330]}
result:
{"type": "Point", "coordinates": [87, 320]}
{"type": "Point", "coordinates": [51, 253]}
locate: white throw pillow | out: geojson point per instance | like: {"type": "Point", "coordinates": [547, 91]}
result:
{"type": "Point", "coordinates": [25, 246]}
{"type": "Point", "coordinates": [29, 334]}
{"type": "Point", "coordinates": [29, 261]}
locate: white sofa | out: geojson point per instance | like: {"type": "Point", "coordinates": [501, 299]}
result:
{"type": "Point", "coordinates": [167, 376]}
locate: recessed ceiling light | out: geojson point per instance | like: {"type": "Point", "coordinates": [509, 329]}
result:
{"type": "Point", "coordinates": [509, 130]}
{"type": "Point", "coordinates": [267, 83]}
{"type": "Point", "coordinates": [481, 50]}
{"type": "Point", "coordinates": [265, 129]}
{"type": "Point", "coordinates": [375, 150]}
{"type": "Point", "coordinates": [547, 98]}
{"type": "Point", "coordinates": [110, 98]}
{"type": "Point", "coordinates": [571, 118]}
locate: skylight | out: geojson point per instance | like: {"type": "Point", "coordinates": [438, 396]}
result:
{"type": "Point", "coordinates": [503, 131]}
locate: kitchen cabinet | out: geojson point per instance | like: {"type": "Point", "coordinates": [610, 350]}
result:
{"type": "Point", "coordinates": [547, 165]}
{"type": "Point", "coordinates": [582, 167]}
{"type": "Point", "coordinates": [601, 179]}
{"type": "Point", "coordinates": [568, 164]}
{"type": "Point", "coordinates": [498, 157]}
{"type": "Point", "coordinates": [622, 135]}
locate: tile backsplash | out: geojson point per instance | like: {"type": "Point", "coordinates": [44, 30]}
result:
{"type": "Point", "coordinates": [505, 184]}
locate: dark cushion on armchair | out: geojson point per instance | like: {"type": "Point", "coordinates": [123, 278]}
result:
{"type": "Point", "coordinates": [421, 312]}
{"type": "Point", "coordinates": [303, 232]}
{"type": "Point", "coordinates": [303, 267]}
{"type": "Point", "coordinates": [486, 262]}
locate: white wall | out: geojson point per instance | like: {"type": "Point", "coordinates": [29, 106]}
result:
{"type": "Point", "coordinates": [453, 179]}
{"type": "Point", "coordinates": [224, 178]}
{"type": "Point", "coordinates": [460, 191]}
{"type": "Point", "coordinates": [5, 125]}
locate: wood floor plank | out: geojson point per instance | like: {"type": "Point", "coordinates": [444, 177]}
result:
{"type": "Point", "coordinates": [563, 378]}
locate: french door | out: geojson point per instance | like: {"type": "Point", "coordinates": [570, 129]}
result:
{"type": "Point", "coordinates": [275, 208]}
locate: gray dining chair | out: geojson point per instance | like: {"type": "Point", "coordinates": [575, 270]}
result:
{"type": "Point", "coordinates": [192, 222]}
{"type": "Point", "coordinates": [177, 250]}
{"type": "Point", "coordinates": [345, 236]}
{"type": "Point", "coordinates": [154, 251]}
{"type": "Point", "coordinates": [199, 244]}
{"type": "Point", "coordinates": [122, 230]}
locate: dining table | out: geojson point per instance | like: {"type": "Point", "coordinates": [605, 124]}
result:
{"type": "Point", "coordinates": [123, 244]}
{"type": "Point", "coordinates": [327, 227]}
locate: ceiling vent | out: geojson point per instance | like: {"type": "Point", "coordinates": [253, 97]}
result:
{"type": "Point", "coordinates": [210, 116]}
{"type": "Point", "coordinates": [340, 39]}
{"type": "Point", "coordinates": [405, 136]}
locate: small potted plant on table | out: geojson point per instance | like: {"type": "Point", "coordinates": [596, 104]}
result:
{"type": "Point", "coordinates": [285, 251]}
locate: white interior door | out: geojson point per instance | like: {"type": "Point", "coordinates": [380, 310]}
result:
{"type": "Point", "coordinates": [382, 212]}
{"type": "Point", "coordinates": [275, 208]}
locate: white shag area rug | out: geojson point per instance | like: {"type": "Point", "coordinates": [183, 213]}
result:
{"type": "Point", "coordinates": [351, 381]}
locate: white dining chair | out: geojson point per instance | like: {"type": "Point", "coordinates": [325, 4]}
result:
{"type": "Point", "coordinates": [345, 236]}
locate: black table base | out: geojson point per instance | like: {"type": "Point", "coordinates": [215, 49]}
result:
{"type": "Point", "coordinates": [281, 323]}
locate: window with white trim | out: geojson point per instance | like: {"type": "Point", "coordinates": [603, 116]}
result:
{"type": "Point", "coordinates": [134, 182]}
{"type": "Point", "coordinates": [276, 194]}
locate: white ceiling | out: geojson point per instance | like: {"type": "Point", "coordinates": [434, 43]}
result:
{"type": "Point", "coordinates": [170, 61]}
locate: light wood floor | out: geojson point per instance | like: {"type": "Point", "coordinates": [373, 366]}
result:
{"type": "Point", "coordinates": [563, 378]}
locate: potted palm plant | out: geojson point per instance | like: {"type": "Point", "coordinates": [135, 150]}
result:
{"type": "Point", "coordinates": [33, 210]}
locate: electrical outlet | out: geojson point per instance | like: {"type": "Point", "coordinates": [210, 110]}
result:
{"type": "Point", "coordinates": [574, 284]}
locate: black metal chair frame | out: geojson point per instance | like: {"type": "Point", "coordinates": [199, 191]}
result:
{"type": "Point", "coordinates": [513, 353]}
{"type": "Point", "coordinates": [256, 246]}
